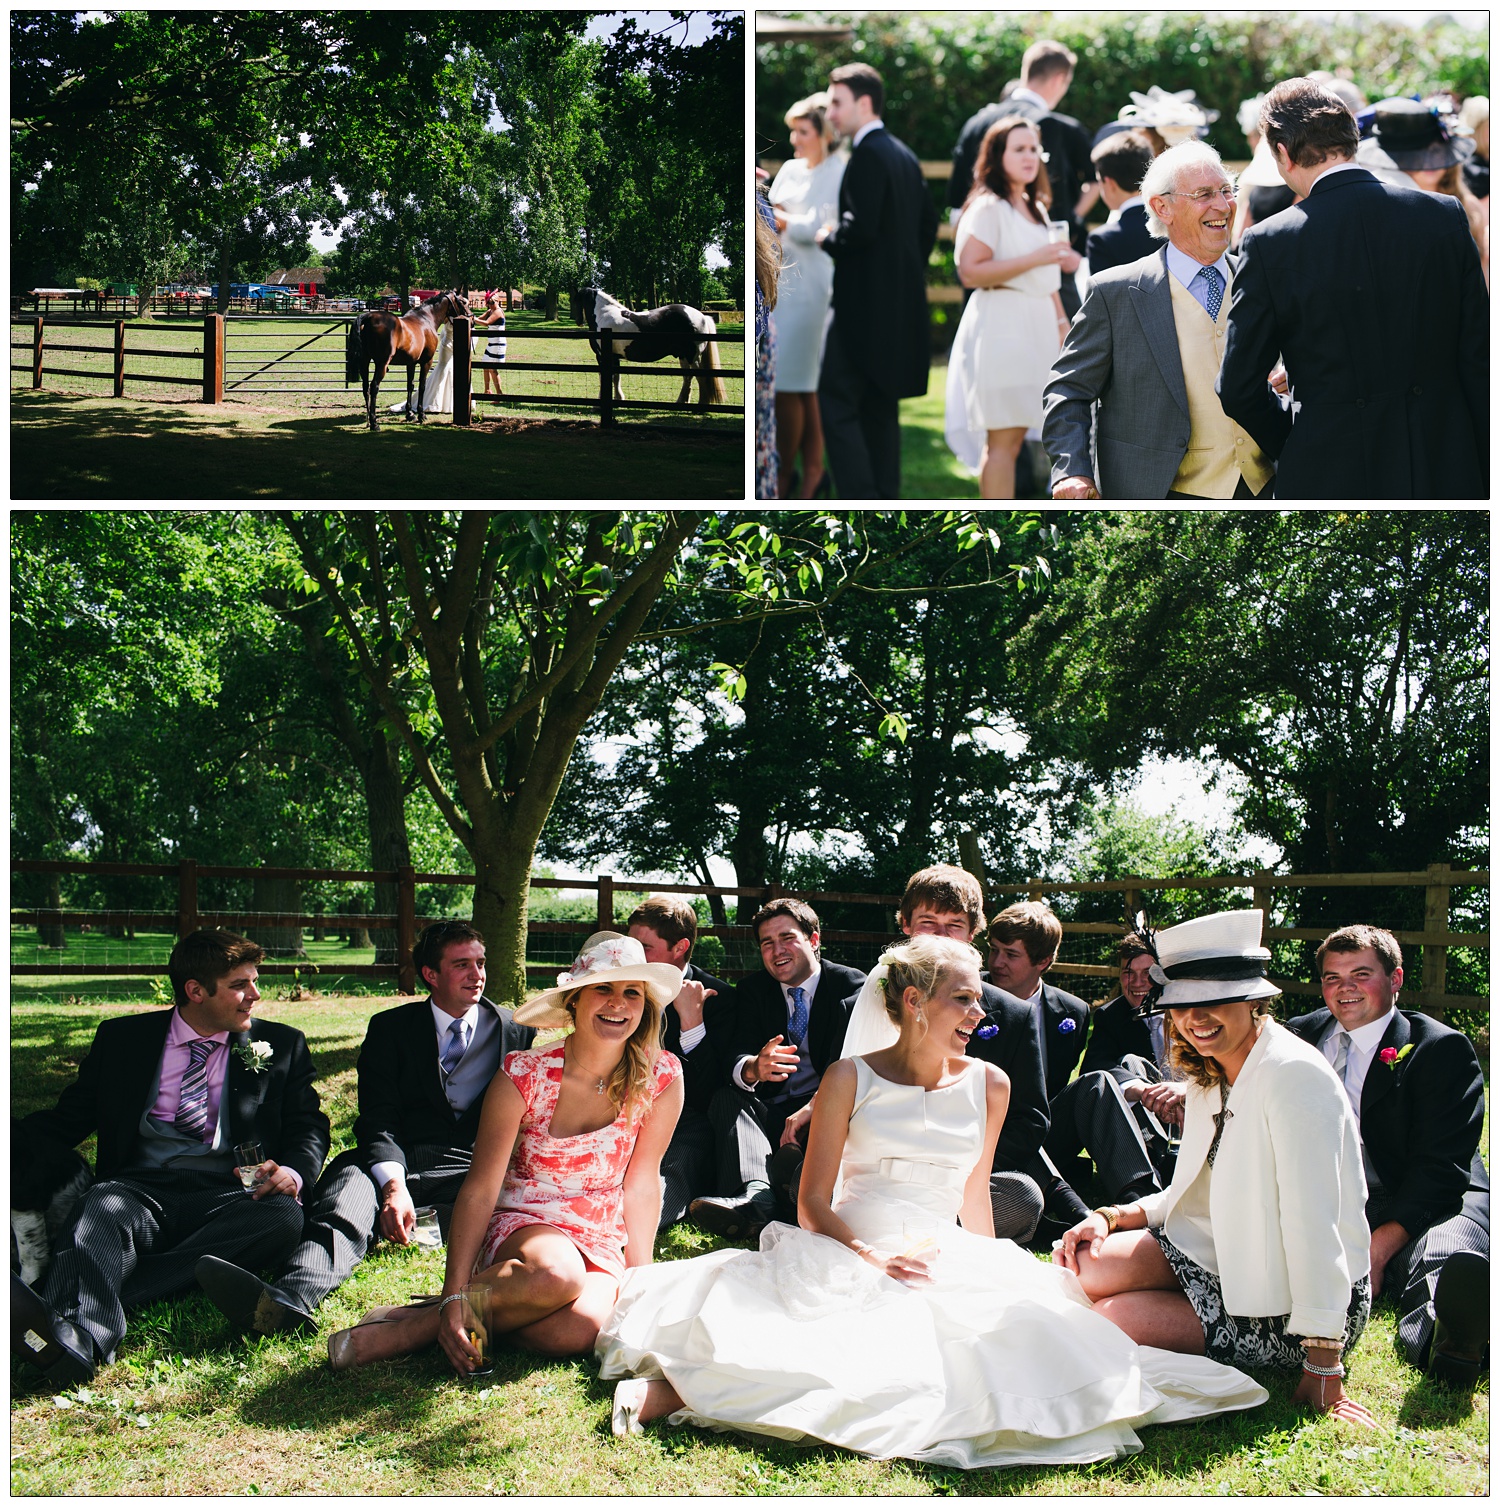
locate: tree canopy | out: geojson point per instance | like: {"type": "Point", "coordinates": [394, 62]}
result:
{"type": "Point", "coordinates": [465, 148]}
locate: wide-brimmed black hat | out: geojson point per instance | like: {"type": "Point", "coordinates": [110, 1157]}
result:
{"type": "Point", "coordinates": [1411, 136]}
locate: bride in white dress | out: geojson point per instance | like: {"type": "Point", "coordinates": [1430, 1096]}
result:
{"type": "Point", "coordinates": [881, 1325]}
{"type": "Point", "coordinates": [439, 395]}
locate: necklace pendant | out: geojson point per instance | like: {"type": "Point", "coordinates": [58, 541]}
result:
{"type": "Point", "coordinates": [599, 1087]}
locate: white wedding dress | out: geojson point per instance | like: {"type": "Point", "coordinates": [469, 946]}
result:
{"type": "Point", "coordinates": [439, 395]}
{"type": "Point", "coordinates": [1000, 1361]}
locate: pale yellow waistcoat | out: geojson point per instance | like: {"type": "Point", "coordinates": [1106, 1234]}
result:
{"type": "Point", "coordinates": [1219, 452]}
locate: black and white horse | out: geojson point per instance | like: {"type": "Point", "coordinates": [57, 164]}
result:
{"type": "Point", "coordinates": [676, 330]}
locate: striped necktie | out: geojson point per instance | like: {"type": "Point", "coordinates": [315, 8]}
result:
{"type": "Point", "coordinates": [453, 1051]}
{"type": "Point", "coordinates": [192, 1105]}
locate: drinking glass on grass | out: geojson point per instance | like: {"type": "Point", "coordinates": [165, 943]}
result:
{"type": "Point", "coordinates": [248, 1158]}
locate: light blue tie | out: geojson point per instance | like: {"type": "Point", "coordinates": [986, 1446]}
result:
{"type": "Point", "coordinates": [453, 1052]}
{"type": "Point", "coordinates": [798, 1029]}
{"type": "Point", "coordinates": [1215, 285]}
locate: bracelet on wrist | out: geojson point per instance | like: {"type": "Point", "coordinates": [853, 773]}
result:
{"type": "Point", "coordinates": [1313, 1343]}
{"type": "Point", "coordinates": [453, 1297]}
{"type": "Point", "coordinates": [1110, 1214]}
{"type": "Point", "coordinates": [1312, 1370]}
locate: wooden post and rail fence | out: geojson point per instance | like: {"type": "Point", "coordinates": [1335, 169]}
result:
{"type": "Point", "coordinates": [1438, 880]}
{"type": "Point", "coordinates": [208, 367]}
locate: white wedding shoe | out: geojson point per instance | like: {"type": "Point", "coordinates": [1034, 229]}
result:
{"type": "Point", "coordinates": [625, 1415]}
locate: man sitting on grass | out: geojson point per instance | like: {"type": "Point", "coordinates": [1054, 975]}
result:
{"type": "Point", "coordinates": [423, 1071]}
{"type": "Point", "coordinates": [173, 1095]}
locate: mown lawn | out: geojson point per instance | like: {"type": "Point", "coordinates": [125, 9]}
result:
{"type": "Point", "coordinates": [97, 449]}
{"type": "Point", "coordinates": [190, 1407]}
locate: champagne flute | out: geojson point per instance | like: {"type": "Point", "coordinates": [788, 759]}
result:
{"type": "Point", "coordinates": [247, 1159]}
{"type": "Point", "coordinates": [476, 1306]}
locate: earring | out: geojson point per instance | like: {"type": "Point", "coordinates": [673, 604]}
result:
{"type": "Point", "coordinates": [920, 1017]}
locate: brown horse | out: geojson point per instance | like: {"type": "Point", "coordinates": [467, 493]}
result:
{"type": "Point", "coordinates": [408, 340]}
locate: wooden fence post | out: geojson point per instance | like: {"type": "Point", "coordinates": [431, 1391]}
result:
{"type": "Point", "coordinates": [606, 916]}
{"type": "Point", "coordinates": [608, 365]}
{"type": "Point", "coordinates": [36, 350]}
{"type": "Point", "coordinates": [1435, 957]}
{"type": "Point", "coordinates": [213, 358]}
{"type": "Point", "coordinates": [463, 372]}
{"type": "Point", "coordinates": [1133, 904]}
{"type": "Point", "coordinates": [1260, 896]}
{"type": "Point", "coordinates": [119, 358]}
{"type": "Point", "coordinates": [1035, 890]}
{"type": "Point", "coordinates": [406, 928]}
{"type": "Point", "coordinates": [187, 896]}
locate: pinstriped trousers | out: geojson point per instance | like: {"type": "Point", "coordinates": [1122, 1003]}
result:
{"type": "Point", "coordinates": [135, 1239]}
{"type": "Point", "coordinates": [1411, 1277]}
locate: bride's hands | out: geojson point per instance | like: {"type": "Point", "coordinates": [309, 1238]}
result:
{"type": "Point", "coordinates": [912, 1267]}
{"type": "Point", "coordinates": [1090, 1233]}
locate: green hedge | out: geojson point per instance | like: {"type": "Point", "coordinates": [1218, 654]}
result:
{"type": "Point", "coordinates": [939, 68]}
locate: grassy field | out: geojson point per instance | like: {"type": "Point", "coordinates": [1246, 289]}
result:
{"type": "Point", "coordinates": [64, 447]}
{"type": "Point", "coordinates": [189, 1407]}
{"type": "Point", "coordinates": [72, 439]}
{"type": "Point", "coordinates": [265, 360]}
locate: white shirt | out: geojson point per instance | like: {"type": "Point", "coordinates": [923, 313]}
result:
{"type": "Point", "coordinates": [864, 130]}
{"type": "Point", "coordinates": [809, 986]}
{"type": "Point", "coordinates": [442, 1022]}
{"type": "Point", "coordinates": [1363, 1040]}
{"type": "Point", "coordinates": [1338, 167]}
{"type": "Point", "coordinates": [1030, 95]}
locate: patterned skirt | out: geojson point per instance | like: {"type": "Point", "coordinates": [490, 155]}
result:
{"type": "Point", "coordinates": [1237, 1341]}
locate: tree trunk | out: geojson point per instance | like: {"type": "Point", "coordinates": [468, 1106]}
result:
{"type": "Point", "coordinates": [502, 892]}
{"type": "Point", "coordinates": [50, 933]}
{"type": "Point", "coordinates": [360, 935]}
{"type": "Point", "coordinates": [226, 266]}
{"type": "Point", "coordinates": [277, 896]}
{"type": "Point", "coordinates": [385, 807]}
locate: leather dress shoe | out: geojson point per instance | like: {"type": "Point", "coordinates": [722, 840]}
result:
{"type": "Point", "coordinates": [740, 1218]}
{"type": "Point", "coordinates": [63, 1353]}
{"type": "Point", "coordinates": [1461, 1304]}
{"type": "Point", "coordinates": [246, 1301]}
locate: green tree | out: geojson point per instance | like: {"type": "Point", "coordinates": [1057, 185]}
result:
{"type": "Point", "coordinates": [1337, 662]}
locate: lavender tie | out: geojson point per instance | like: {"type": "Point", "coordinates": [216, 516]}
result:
{"type": "Point", "coordinates": [192, 1105]}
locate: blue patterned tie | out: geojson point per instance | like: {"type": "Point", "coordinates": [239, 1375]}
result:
{"type": "Point", "coordinates": [798, 1028]}
{"type": "Point", "coordinates": [192, 1104]}
{"type": "Point", "coordinates": [453, 1052]}
{"type": "Point", "coordinates": [1215, 282]}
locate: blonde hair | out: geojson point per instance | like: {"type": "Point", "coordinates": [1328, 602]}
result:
{"type": "Point", "coordinates": [1190, 1062]}
{"type": "Point", "coordinates": [923, 963]}
{"type": "Point", "coordinates": [629, 1086]}
{"type": "Point", "coordinates": [767, 260]}
{"type": "Point", "coordinates": [815, 109]}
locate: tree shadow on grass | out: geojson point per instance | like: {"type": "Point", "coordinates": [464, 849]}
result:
{"type": "Point", "coordinates": [59, 450]}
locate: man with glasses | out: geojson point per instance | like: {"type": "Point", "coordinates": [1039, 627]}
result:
{"type": "Point", "coordinates": [1131, 411]}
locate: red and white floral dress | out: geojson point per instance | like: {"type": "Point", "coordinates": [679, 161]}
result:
{"type": "Point", "coordinates": [575, 1184]}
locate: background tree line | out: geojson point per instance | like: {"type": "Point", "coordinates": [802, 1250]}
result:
{"type": "Point", "coordinates": [817, 700]}
{"type": "Point", "coordinates": [468, 149]}
{"type": "Point", "coordinates": [940, 68]}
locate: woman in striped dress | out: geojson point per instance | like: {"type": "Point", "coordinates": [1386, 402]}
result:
{"type": "Point", "coordinates": [494, 318]}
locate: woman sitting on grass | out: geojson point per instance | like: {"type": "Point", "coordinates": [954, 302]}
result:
{"type": "Point", "coordinates": [1258, 1254]}
{"type": "Point", "coordinates": [551, 1229]}
{"type": "Point", "coordinates": [881, 1325]}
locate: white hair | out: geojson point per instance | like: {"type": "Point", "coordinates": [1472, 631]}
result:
{"type": "Point", "coordinates": [1161, 177]}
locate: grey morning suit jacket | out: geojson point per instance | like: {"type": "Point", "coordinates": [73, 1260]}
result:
{"type": "Point", "coordinates": [1116, 406]}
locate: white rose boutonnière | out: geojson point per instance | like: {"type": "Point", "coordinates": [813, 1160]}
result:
{"type": "Point", "coordinates": [256, 1055]}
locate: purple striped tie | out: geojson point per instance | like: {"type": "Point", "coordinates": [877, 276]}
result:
{"type": "Point", "coordinates": [192, 1106]}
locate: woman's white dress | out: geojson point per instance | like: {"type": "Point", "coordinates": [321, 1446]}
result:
{"type": "Point", "coordinates": [809, 198]}
{"type": "Point", "coordinates": [1001, 1361]}
{"type": "Point", "coordinates": [1007, 339]}
{"type": "Point", "coordinates": [439, 395]}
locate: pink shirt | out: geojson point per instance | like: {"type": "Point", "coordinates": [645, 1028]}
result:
{"type": "Point", "coordinates": [174, 1063]}
{"type": "Point", "coordinates": [175, 1058]}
